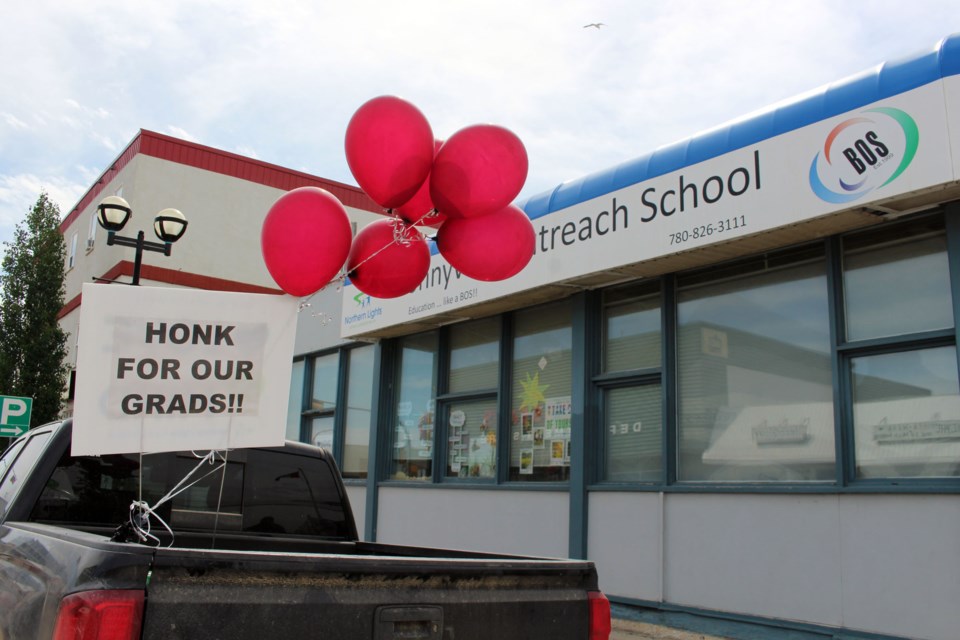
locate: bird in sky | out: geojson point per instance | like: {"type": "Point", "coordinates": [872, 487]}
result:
{"type": "Point", "coordinates": [596, 25]}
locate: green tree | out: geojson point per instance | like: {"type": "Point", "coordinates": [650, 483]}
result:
{"type": "Point", "coordinates": [33, 346]}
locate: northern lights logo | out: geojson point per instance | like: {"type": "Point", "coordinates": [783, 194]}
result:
{"type": "Point", "coordinates": [864, 153]}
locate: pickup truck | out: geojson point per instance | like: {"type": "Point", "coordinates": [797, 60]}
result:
{"type": "Point", "coordinates": [261, 544]}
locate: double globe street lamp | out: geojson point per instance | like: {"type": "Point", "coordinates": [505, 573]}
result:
{"type": "Point", "coordinates": [113, 212]}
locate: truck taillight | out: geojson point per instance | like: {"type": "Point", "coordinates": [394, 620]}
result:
{"type": "Point", "coordinates": [599, 615]}
{"type": "Point", "coordinates": [100, 615]}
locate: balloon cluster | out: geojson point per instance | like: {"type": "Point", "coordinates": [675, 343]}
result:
{"type": "Point", "coordinates": [462, 187]}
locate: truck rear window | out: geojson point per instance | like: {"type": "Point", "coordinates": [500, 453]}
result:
{"type": "Point", "coordinates": [258, 491]}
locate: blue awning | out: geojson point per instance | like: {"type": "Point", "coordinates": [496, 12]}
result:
{"type": "Point", "coordinates": [884, 81]}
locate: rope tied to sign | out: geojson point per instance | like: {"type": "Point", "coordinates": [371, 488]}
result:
{"type": "Point", "coordinates": [138, 527]}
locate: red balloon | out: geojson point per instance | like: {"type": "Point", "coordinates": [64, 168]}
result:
{"type": "Point", "coordinates": [419, 209]}
{"type": "Point", "coordinates": [383, 266]}
{"type": "Point", "coordinates": [491, 247]}
{"type": "Point", "coordinates": [479, 170]}
{"type": "Point", "coordinates": [389, 147]}
{"type": "Point", "coordinates": [305, 240]}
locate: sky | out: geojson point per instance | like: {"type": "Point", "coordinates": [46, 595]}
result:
{"type": "Point", "coordinates": [280, 81]}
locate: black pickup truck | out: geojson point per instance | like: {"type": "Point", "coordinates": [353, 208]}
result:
{"type": "Point", "coordinates": [261, 544]}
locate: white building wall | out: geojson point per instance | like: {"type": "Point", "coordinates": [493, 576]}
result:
{"type": "Point", "coordinates": [625, 542]}
{"type": "Point", "coordinates": [516, 522]}
{"type": "Point", "coordinates": [900, 565]}
{"type": "Point", "coordinates": [224, 215]}
{"type": "Point", "coordinates": [775, 556]}
{"type": "Point", "coordinates": [357, 495]}
{"type": "Point", "coordinates": [873, 563]}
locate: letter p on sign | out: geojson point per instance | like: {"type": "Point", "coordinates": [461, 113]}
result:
{"type": "Point", "coordinates": [14, 415]}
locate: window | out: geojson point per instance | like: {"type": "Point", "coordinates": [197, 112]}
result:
{"type": "Point", "coordinates": [542, 383]}
{"type": "Point", "coordinates": [470, 406]}
{"type": "Point", "coordinates": [412, 450]}
{"type": "Point", "coordinates": [455, 373]}
{"type": "Point", "coordinates": [906, 414]}
{"type": "Point", "coordinates": [825, 364]}
{"type": "Point", "coordinates": [320, 385]}
{"type": "Point", "coordinates": [905, 392]}
{"type": "Point", "coordinates": [754, 362]}
{"type": "Point", "coordinates": [910, 261]}
{"type": "Point", "coordinates": [72, 254]}
{"type": "Point", "coordinates": [632, 430]}
{"type": "Point", "coordinates": [359, 414]}
{"type": "Point", "coordinates": [295, 403]}
{"type": "Point", "coordinates": [326, 369]}
{"type": "Point", "coordinates": [19, 467]}
{"type": "Point", "coordinates": [9, 455]}
{"type": "Point", "coordinates": [92, 233]}
{"type": "Point", "coordinates": [257, 491]}
{"type": "Point", "coordinates": [631, 328]}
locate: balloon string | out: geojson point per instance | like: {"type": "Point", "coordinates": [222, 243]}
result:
{"type": "Point", "coordinates": [399, 237]}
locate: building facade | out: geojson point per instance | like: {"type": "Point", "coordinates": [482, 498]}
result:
{"type": "Point", "coordinates": [224, 198]}
{"type": "Point", "coordinates": [729, 375]}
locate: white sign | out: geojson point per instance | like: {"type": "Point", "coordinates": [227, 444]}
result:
{"type": "Point", "coordinates": [879, 151]}
{"type": "Point", "coordinates": [163, 369]}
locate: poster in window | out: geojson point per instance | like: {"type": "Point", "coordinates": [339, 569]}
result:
{"type": "Point", "coordinates": [526, 426]}
{"type": "Point", "coordinates": [538, 440]}
{"type": "Point", "coordinates": [526, 462]}
{"type": "Point", "coordinates": [558, 451]}
{"type": "Point", "coordinates": [557, 421]}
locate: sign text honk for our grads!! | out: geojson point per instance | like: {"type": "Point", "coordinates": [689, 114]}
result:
{"type": "Point", "coordinates": [163, 369]}
{"type": "Point", "coordinates": [176, 369]}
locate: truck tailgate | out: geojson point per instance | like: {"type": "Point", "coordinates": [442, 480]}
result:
{"type": "Point", "coordinates": [214, 594]}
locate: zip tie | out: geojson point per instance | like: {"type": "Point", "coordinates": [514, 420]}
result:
{"type": "Point", "coordinates": [141, 512]}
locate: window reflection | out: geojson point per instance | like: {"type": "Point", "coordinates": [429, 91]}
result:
{"type": "Point", "coordinates": [474, 355]}
{"type": "Point", "coordinates": [412, 449]}
{"type": "Point", "coordinates": [634, 434]}
{"type": "Point", "coordinates": [325, 372]}
{"type": "Point", "coordinates": [542, 383]}
{"type": "Point", "coordinates": [911, 261]}
{"type": "Point", "coordinates": [472, 446]}
{"type": "Point", "coordinates": [295, 401]}
{"type": "Point", "coordinates": [631, 328]}
{"type": "Point", "coordinates": [755, 386]}
{"type": "Point", "coordinates": [356, 441]}
{"type": "Point", "coordinates": [906, 414]}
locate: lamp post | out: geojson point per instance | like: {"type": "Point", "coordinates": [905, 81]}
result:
{"type": "Point", "coordinates": [113, 212]}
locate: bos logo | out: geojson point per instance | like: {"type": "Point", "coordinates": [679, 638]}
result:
{"type": "Point", "coordinates": [863, 154]}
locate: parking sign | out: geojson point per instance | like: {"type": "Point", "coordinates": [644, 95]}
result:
{"type": "Point", "coordinates": [14, 415]}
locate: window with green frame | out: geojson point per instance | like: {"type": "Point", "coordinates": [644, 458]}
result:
{"type": "Point", "coordinates": [754, 371]}
{"type": "Point", "coordinates": [456, 373]}
{"type": "Point", "coordinates": [331, 405]}
{"type": "Point", "coordinates": [412, 441]}
{"type": "Point", "coordinates": [631, 424]}
{"type": "Point", "coordinates": [900, 353]}
{"type": "Point", "coordinates": [830, 364]}
{"type": "Point", "coordinates": [470, 403]}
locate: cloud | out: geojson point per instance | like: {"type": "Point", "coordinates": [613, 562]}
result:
{"type": "Point", "coordinates": [177, 132]}
{"type": "Point", "coordinates": [284, 79]}
{"type": "Point", "coordinates": [13, 121]}
{"type": "Point", "coordinates": [18, 194]}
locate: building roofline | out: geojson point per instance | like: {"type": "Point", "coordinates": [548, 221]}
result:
{"type": "Point", "coordinates": [881, 82]}
{"type": "Point", "coordinates": [158, 145]}
{"type": "Point", "coordinates": [172, 277]}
